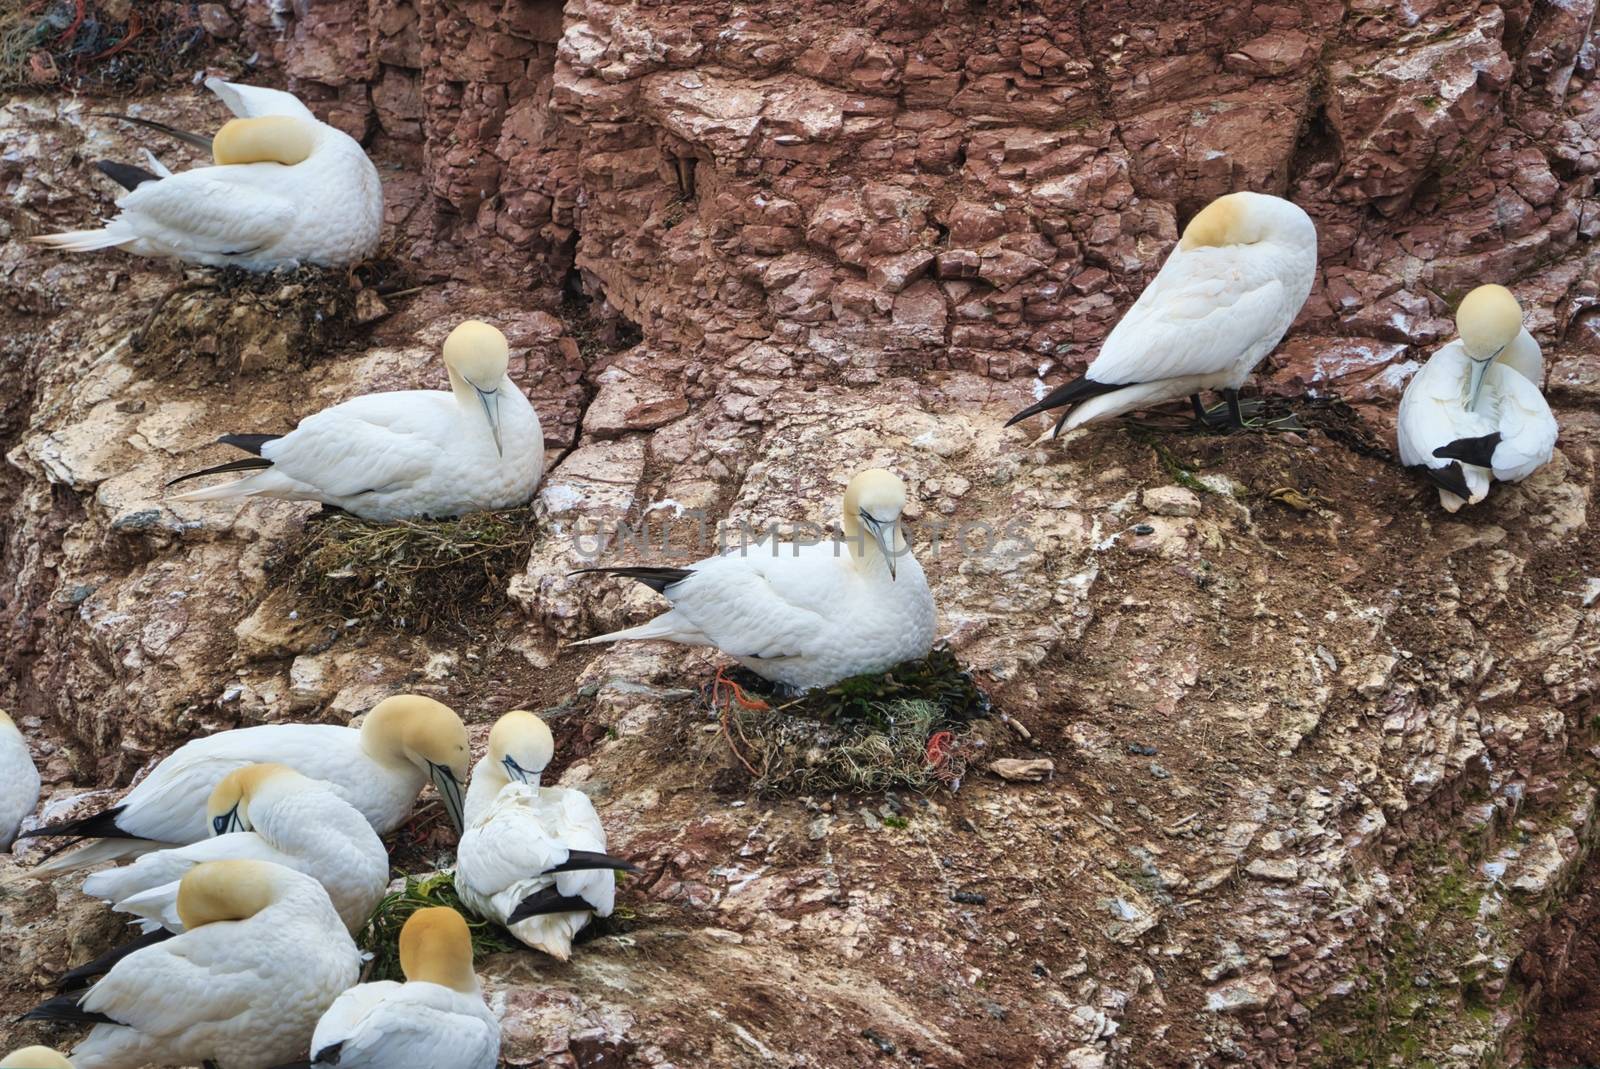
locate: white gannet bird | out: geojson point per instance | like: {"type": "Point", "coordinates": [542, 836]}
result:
{"type": "Point", "coordinates": [406, 453]}
{"type": "Point", "coordinates": [804, 614]}
{"type": "Point", "coordinates": [1474, 413]}
{"type": "Point", "coordinates": [286, 190]}
{"type": "Point", "coordinates": [532, 858]}
{"type": "Point", "coordinates": [34, 1058]}
{"type": "Point", "coordinates": [1221, 302]}
{"type": "Point", "coordinates": [437, 1018]}
{"type": "Point", "coordinates": [262, 957]}
{"type": "Point", "coordinates": [19, 780]}
{"type": "Point", "coordinates": [379, 768]}
{"type": "Point", "coordinates": [263, 812]}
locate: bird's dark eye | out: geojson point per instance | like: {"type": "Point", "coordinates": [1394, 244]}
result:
{"type": "Point", "coordinates": [220, 824]}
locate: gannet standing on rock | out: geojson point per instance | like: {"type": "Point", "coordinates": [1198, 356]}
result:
{"type": "Point", "coordinates": [1474, 413]}
{"type": "Point", "coordinates": [407, 453]}
{"type": "Point", "coordinates": [437, 1018]}
{"type": "Point", "coordinates": [19, 780]}
{"type": "Point", "coordinates": [1221, 302]}
{"type": "Point", "coordinates": [804, 614]}
{"type": "Point", "coordinates": [34, 1058]}
{"type": "Point", "coordinates": [262, 957]}
{"type": "Point", "coordinates": [262, 812]}
{"type": "Point", "coordinates": [532, 858]}
{"type": "Point", "coordinates": [379, 768]}
{"type": "Point", "coordinates": [286, 190]}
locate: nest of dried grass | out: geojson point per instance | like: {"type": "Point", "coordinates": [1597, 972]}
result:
{"type": "Point", "coordinates": [222, 322]}
{"type": "Point", "coordinates": [412, 575]}
{"type": "Point", "coordinates": [905, 728]}
{"type": "Point", "coordinates": [381, 936]}
{"type": "Point", "coordinates": [98, 46]}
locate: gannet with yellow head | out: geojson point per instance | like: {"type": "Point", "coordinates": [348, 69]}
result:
{"type": "Point", "coordinates": [264, 812]}
{"type": "Point", "coordinates": [285, 189]}
{"type": "Point", "coordinates": [804, 614]}
{"type": "Point", "coordinates": [405, 742]}
{"type": "Point", "coordinates": [262, 957]}
{"type": "Point", "coordinates": [407, 453]}
{"type": "Point", "coordinates": [1474, 414]}
{"type": "Point", "coordinates": [1222, 301]}
{"type": "Point", "coordinates": [19, 780]}
{"type": "Point", "coordinates": [34, 1058]}
{"type": "Point", "coordinates": [532, 858]}
{"type": "Point", "coordinates": [437, 1018]}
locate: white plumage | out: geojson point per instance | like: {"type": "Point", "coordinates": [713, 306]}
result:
{"type": "Point", "coordinates": [407, 453]}
{"type": "Point", "coordinates": [291, 190]}
{"type": "Point", "coordinates": [263, 957]}
{"type": "Point", "coordinates": [437, 1018]}
{"type": "Point", "coordinates": [379, 768]}
{"type": "Point", "coordinates": [519, 834]}
{"type": "Point", "coordinates": [1507, 432]}
{"type": "Point", "coordinates": [805, 615]}
{"type": "Point", "coordinates": [1224, 298]}
{"type": "Point", "coordinates": [282, 817]}
{"type": "Point", "coordinates": [19, 780]}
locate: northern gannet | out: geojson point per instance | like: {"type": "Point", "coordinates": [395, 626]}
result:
{"type": "Point", "coordinates": [34, 1058]}
{"type": "Point", "coordinates": [1221, 302]}
{"type": "Point", "coordinates": [406, 453]}
{"type": "Point", "coordinates": [379, 768]}
{"type": "Point", "coordinates": [286, 190]}
{"type": "Point", "coordinates": [532, 858]}
{"type": "Point", "coordinates": [1474, 413]}
{"type": "Point", "coordinates": [437, 1018]}
{"type": "Point", "coordinates": [804, 614]}
{"type": "Point", "coordinates": [262, 957]}
{"type": "Point", "coordinates": [19, 780]}
{"type": "Point", "coordinates": [263, 812]}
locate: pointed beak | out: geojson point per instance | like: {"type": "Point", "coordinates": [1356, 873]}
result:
{"type": "Point", "coordinates": [1479, 368]}
{"type": "Point", "coordinates": [449, 788]}
{"type": "Point", "coordinates": [883, 534]}
{"type": "Point", "coordinates": [518, 774]}
{"type": "Point", "coordinates": [491, 409]}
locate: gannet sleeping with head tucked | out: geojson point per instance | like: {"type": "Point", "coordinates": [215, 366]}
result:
{"type": "Point", "coordinates": [34, 1058]}
{"type": "Point", "coordinates": [264, 812]}
{"type": "Point", "coordinates": [407, 453]}
{"type": "Point", "coordinates": [437, 1018]}
{"type": "Point", "coordinates": [1474, 413]}
{"type": "Point", "coordinates": [804, 614]}
{"type": "Point", "coordinates": [404, 742]}
{"type": "Point", "coordinates": [19, 780]}
{"type": "Point", "coordinates": [262, 957]}
{"type": "Point", "coordinates": [1221, 302]}
{"type": "Point", "coordinates": [286, 190]}
{"type": "Point", "coordinates": [532, 858]}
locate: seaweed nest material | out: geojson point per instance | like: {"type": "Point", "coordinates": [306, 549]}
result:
{"type": "Point", "coordinates": [221, 322]}
{"type": "Point", "coordinates": [99, 46]}
{"type": "Point", "coordinates": [381, 936]}
{"type": "Point", "coordinates": [904, 728]}
{"type": "Point", "coordinates": [413, 575]}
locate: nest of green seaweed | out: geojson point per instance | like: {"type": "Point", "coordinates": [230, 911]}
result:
{"type": "Point", "coordinates": [412, 575]}
{"type": "Point", "coordinates": [904, 728]}
{"type": "Point", "coordinates": [381, 936]}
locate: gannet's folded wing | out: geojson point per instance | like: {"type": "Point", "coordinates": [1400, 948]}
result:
{"type": "Point", "coordinates": [402, 1029]}
{"type": "Point", "coordinates": [200, 211]}
{"type": "Point", "coordinates": [1527, 427]}
{"type": "Point", "coordinates": [509, 846]}
{"type": "Point", "coordinates": [1196, 318]}
{"type": "Point", "coordinates": [747, 610]}
{"type": "Point", "coordinates": [170, 988]}
{"type": "Point", "coordinates": [355, 447]}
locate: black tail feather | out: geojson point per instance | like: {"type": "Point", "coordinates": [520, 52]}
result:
{"type": "Point", "coordinates": [126, 175]}
{"type": "Point", "coordinates": [1479, 451]}
{"type": "Point", "coordinates": [1449, 477]}
{"type": "Point", "coordinates": [246, 464]}
{"type": "Point", "coordinates": [65, 1008]}
{"type": "Point", "coordinates": [88, 972]}
{"type": "Point", "coordinates": [102, 825]}
{"type": "Point", "coordinates": [581, 860]}
{"type": "Point", "coordinates": [1079, 389]}
{"type": "Point", "coordinates": [171, 131]}
{"type": "Point", "coordinates": [657, 579]}
{"type": "Point", "coordinates": [547, 901]}
{"type": "Point", "coordinates": [250, 443]}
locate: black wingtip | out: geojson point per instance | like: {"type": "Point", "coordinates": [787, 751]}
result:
{"type": "Point", "coordinates": [246, 464]}
{"type": "Point", "coordinates": [657, 579]}
{"type": "Point", "coordinates": [150, 124]}
{"type": "Point", "coordinates": [582, 860]}
{"type": "Point", "coordinates": [88, 972]}
{"type": "Point", "coordinates": [1078, 390]}
{"type": "Point", "coordinates": [250, 443]}
{"type": "Point", "coordinates": [1479, 451]}
{"type": "Point", "coordinates": [125, 175]}
{"type": "Point", "coordinates": [1450, 477]}
{"type": "Point", "coordinates": [547, 901]}
{"type": "Point", "coordinates": [102, 825]}
{"type": "Point", "coordinates": [65, 1008]}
